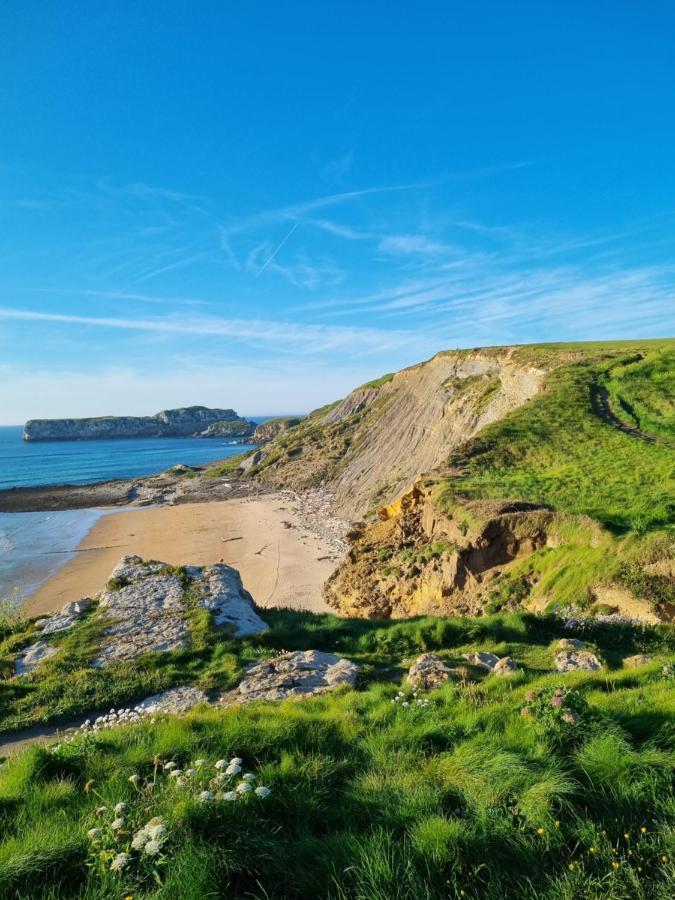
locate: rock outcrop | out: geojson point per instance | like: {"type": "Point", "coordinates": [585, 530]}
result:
{"type": "Point", "coordinates": [64, 619]}
{"type": "Point", "coordinates": [191, 421]}
{"type": "Point", "coordinates": [422, 559]}
{"type": "Point", "coordinates": [145, 606]}
{"type": "Point", "coordinates": [33, 656]}
{"type": "Point", "coordinates": [373, 444]}
{"type": "Point", "coordinates": [272, 428]}
{"type": "Point", "coordinates": [573, 660]}
{"type": "Point", "coordinates": [429, 672]}
{"type": "Point", "coordinates": [299, 674]}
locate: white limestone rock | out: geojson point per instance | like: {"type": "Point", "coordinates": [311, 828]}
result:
{"type": "Point", "coordinates": [299, 674]}
{"type": "Point", "coordinates": [429, 672]}
{"type": "Point", "coordinates": [225, 597]}
{"type": "Point", "coordinates": [483, 660]}
{"type": "Point", "coordinates": [65, 619]}
{"type": "Point", "coordinates": [176, 700]}
{"type": "Point", "coordinates": [33, 656]}
{"type": "Point", "coordinates": [574, 660]}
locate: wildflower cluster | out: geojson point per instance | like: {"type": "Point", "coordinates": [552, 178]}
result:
{"type": "Point", "coordinates": [558, 712]}
{"type": "Point", "coordinates": [407, 701]}
{"type": "Point", "coordinates": [668, 671]}
{"type": "Point", "coordinates": [206, 782]}
{"type": "Point", "coordinates": [124, 841]}
{"type": "Point", "coordinates": [119, 848]}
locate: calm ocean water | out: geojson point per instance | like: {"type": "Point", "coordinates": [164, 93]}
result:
{"type": "Point", "coordinates": [34, 545]}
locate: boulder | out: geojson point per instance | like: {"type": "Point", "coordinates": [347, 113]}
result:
{"type": "Point", "coordinates": [483, 660]}
{"type": "Point", "coordinates": [429, 672]}
{"type": "Point", "coordinates": [573, 660]}
{"type": "Point", "coordinates": [632, 662]}
{"type": "Point", "coordinates": [505, 666]}
{"type": "Point", "coordinates": [33, 656]}
{"type": "Point", "coordinates": [299, 674]}
{"type": "Point", "coordinates": [570, 644]}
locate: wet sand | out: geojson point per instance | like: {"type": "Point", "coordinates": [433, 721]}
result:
{"type": "Point", "coordinates": [281, 562]}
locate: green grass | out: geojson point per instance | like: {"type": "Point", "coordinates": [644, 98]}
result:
{"type": "Point", "coordinates": [556, 450]}
{"type": "Point", "coordinates": [371, 800]}
{"type": "Point", "coordinates": [377, 382]}
{"type": "Point", "coordinates": [644, 393]}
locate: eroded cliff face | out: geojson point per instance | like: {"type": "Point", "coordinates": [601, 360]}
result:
{"type": "Point", "coordinates": [372, 445]}
{"type": "Point", "coordinates": [418, 560]}
{"type": "Point", "coordinates": [197, 421]}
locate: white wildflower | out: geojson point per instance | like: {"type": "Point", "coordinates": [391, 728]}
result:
{"type": "Point", "coordinates": [156, 832]}
{"type": "Point", "coordinates": [244, 787]}
{"type": "Point", "coordinates": [118, 824]}
{"type": "Point", "coordinates": [119, 862]}
{"type": "Point", "coordinates": [93, 833]}
{"type": "Point", "coordinates": [190, 773]}
{"type": "Point", "coordinates": [175, 773]}
{"type": "Point", "coordinates": [248, 777]}
{"type": "Point", "coordinates": [205, 796]}
{"type": "Point", "coordinates": [233, 769]}
{"type": "Point", "coordinates": [139, 841]}
{"type": "Point", "coordinates": [120, 808]}
{"type": "Point", "coordinates": [199, 763]}
{"type": "Point", "coordinates": [263, 791]}
{"type": "Point", "coordinates": [221, 763]}
{"type": "Point", "coordinates": [236, 761]}
{"type": "Point", "coordinates": [134, 779]}
{"type": "Point", "coordinates": [152, 848]}
{"type": "Point", "coordinates": [170, 765]}
{"type": "Point", "coordinates": [230, 796]}
{"type": "Point", "coordinates": [100, 810]}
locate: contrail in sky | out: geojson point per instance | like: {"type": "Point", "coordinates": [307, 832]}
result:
{"type": "Point", "coordinates": [278, 248]}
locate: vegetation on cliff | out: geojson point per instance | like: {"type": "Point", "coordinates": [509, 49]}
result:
{"type": "Point", "coordinates": [462, 797]}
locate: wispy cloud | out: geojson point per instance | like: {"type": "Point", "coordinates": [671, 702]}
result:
{"type": "Point", "coordinates": [301, 338]}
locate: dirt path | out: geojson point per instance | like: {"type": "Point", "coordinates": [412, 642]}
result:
{"type": "Point", "coordinates": [603, 409]}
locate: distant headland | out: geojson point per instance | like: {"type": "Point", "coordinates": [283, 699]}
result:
{"type": "Point", "coordinates": [191, 421]}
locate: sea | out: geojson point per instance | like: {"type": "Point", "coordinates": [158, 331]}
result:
{"type": "Point", "coordinates": [34, 545]}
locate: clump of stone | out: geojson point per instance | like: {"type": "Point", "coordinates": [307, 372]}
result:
{"type": "Point", "coordinates": [573, 655]}
{"type": "Point", "coordinates": [145, 606]}
{"type": "Point", "coordinates": [503, 666]}
{"type": "Point", "coordinates": [33, 656]}
{"type": "Point", "coordinates": [633, 662]}
{"type": "Point", "coordinates": [64, 619]}
{"type": "Point", "coordinates": [429, 672]}
{"type": "Point", "coordinates": [298, 674]}
{"type": "Point", "coordinates": [574, 660]}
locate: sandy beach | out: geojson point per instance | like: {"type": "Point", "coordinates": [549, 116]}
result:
{"type": "Point", "coordinates": [281, 561]}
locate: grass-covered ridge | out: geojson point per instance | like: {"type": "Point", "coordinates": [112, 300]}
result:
{"type": "Point", "coordinates": [558, 449]}
{"type": "Point", "coordinates": [465, 797]}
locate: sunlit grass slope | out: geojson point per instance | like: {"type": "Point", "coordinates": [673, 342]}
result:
{"type": "Point", "coordinates": [560, 450]}
{"type": "Point", "coordinates": [464, 797]}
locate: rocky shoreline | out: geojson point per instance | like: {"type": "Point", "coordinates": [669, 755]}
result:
{"type": "Point", "coordinates": [180, 484]}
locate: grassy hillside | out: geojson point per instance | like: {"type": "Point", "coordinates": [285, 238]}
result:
{"type": "Point", "coordinates": [463, 796]}
{"type": "Point", "coordinates": [561, 449]}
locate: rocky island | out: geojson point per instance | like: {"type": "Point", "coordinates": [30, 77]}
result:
{"type": "Point", "coordinates": [190, 421]}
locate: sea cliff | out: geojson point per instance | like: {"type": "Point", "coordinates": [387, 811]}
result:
{"type": "Point", "coordinates": [192, 421]}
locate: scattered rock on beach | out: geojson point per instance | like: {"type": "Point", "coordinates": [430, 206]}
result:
{"type": "Point", "coordinates": [33, 656]}
{"type": "Point", "coordinates": [298, 674]}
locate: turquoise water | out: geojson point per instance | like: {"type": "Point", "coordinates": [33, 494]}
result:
{"type": "Point", "coordinates": [82, 462]}
{"type": "Point", "coordinates": [34, 545]}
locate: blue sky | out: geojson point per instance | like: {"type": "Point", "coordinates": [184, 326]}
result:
{"type": "Point", "coordinates": [263, 204]}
